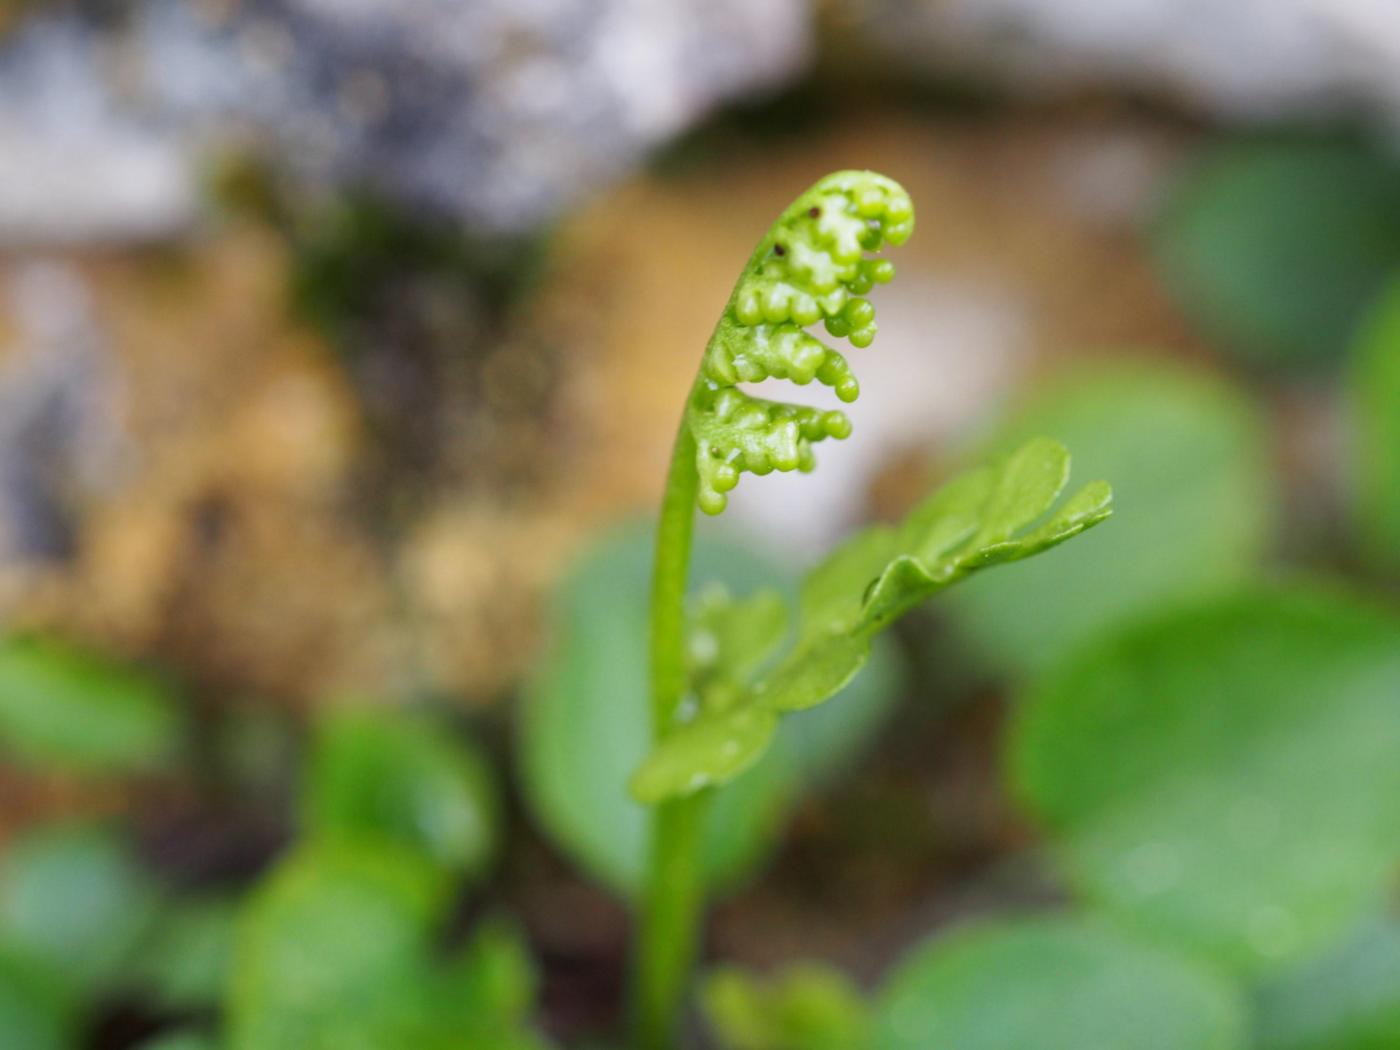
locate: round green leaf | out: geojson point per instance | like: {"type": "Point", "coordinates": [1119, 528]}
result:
{"type": "Point", "coordinates": [1348, 999]}
{"type": "Point", "coordinates": [1228, 776]}
{"type": "Point", "coordinates": [1276, 247]}
{"type": "Point", "coordinates": [75, 898]}
{"type": "Point", "coordinates": [1193, 509]}
{"type": "Point", "coordinates": [331, 953]}
{"type": "Point", "coordinates": [61, 708]}
{"type": "Point", "coordinates": [586, 723]}
{"type": "Point", "coordinates": [38, 1010]}
{"type": "Point", "coordinates": [401, 777]}
{"type": "Point", "coordinates": [1054, 984]}
{"type": "Point", "coordinates": [1375, 408]}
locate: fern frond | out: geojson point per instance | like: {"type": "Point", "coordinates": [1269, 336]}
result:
{"type": "Point", "coordinates": [814, 264]}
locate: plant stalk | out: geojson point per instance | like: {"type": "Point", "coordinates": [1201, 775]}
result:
{"type": "Point", "coordinates": [673, 895]}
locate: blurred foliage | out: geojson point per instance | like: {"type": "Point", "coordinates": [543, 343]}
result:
{"type": "Point", "coordinates": [75, 898]}
{"type": "Point", "coordinates": [986, 517]}
{"type": "Point", "coordinates": [333, 949]}
{"type": "Point", "coordinates": [356, 253]}
{"type": "Point", "coordinates": [1211, 763]}
{"type": "Point", "coordinates": [807, 1007]}
{"type": "Point", "coordinates": [1346, 999]}
{"type": "Point", "coordinates": [37, 1007]}
{"type": "Point", "coordinates": [1055, 983]}
{"type": "Point", "coordinates": [336, 950]}
{"type": "Point", "coordinates": [336, 946]}
{"type": "Point", "coordinates": [1194, 508]}
{"type": "Point", "coordinates": [400, 775]}
{"type": "Point", "coordinates": [184, 962]}
{"type": "Point", "coordinates": [585, 724]}
{"type": "Point", "coordinates": [65, 709]}
{"type": "Point", "coordinates": [181, 1041]}
{"type": "Point", "coordinates": [1375, 405]}
{"type": "Point", "coordinates": [353, 257]}
{"type": "Point", "coordinates": [1226, 777]}
{"type": "Point", "coordinates": [1276, 246]}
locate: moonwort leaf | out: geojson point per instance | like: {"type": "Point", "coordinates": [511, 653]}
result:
{"type": "Point", "coordinates": [585, 715]}
{"type": "Point", "coordinates": [715, 749]}
{"type": "Point", "coordinates": [1196, 509]}
{"type": "Point", "coordinates": [980, 519]}
{"type": "Point", "coordinates": [730, 639]}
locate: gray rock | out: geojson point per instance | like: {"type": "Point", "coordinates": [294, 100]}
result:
{"type": "Point", "coordinates": [494, 112]}
{"type": "Point", "coordinates": [59, 441]}
{"type": "Point", "coordinates": [75, 165]}
{"type": "Point", "coordinates": [1246, 59]}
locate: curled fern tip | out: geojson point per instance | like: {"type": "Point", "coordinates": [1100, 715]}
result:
{"type": "Point", "coordinates": [816, 263]}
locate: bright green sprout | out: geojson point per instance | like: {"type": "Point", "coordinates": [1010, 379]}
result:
{"type": "Point", "coordinates": [810, 266]}
{"type": "Point", "coordinates": [720, 688]}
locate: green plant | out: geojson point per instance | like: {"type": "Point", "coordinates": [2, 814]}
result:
{"type": "Point", "coordinates": [1276, 246]}
{"type": "Point", "coordinates": [1189, 455]}
{"type": "Point", "coordinates": [1375, 393]}
{"type": "Point", "coordinates": [335, 945]}
{"type": "Point", "coordinates": [811, 265]}
{"type": "Point", "coordinates": [1203, 757]}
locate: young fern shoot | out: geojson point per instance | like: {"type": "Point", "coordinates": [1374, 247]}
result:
{"type": "Point", "coordinates": [816, 263]}
{"type": "Point", "coordinates": [810, 266]}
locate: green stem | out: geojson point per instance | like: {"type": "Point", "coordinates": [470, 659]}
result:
{"type": "Point", "coordinates": [673, 896]}
{"type": "Point", "coordinates": [668, 584]}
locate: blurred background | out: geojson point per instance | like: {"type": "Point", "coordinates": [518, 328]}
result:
{"type": "Point", "coordinates": [341, 349]}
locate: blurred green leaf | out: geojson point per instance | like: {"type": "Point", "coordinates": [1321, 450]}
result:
{"type": "Point", "coordinates": [67, 709]}
{"type": "Point", "coordinates": [587, 716]}
{"type": "Point", "coordinates": [1276, 247]}
{"type": "Point", "coordinates": [488, 992]}
{"type": "Point", "coordinates": [38, 1010]}
{"type": "Point", "coordinates": [806, 1007]}
{"type": "Point", "coordinates": [1348, 999]}
{"type": "Point", "coordinates": [1193, 509]}
{"type": "Point", "coordinates": [1375, 407]}
{"type": "Point", "coordinates": [730, 639]}
{"type": "Point", "coordinates": [75, 898]}
{"type": "Point", "coordinates": [403, 777]}
{"type": "Point", "coordinates": [331, 952]}
{"type": "Point", "coordinates": [495, 974]}
{"type": "Point", "coordinates": [183, 964]}
{"type": "Point", "coordinates": [1054, 983]}
{"type": "Point", "coordinates": [713, 749]}
{"type": "Point", "coordinates": [182, 1040]}
{"type": "Point", "coordinates": [1227, 777]}
{"type": "Point", "coordinates": [982, 518]}
{"type": "Point", "coordinates": [336, 952]}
